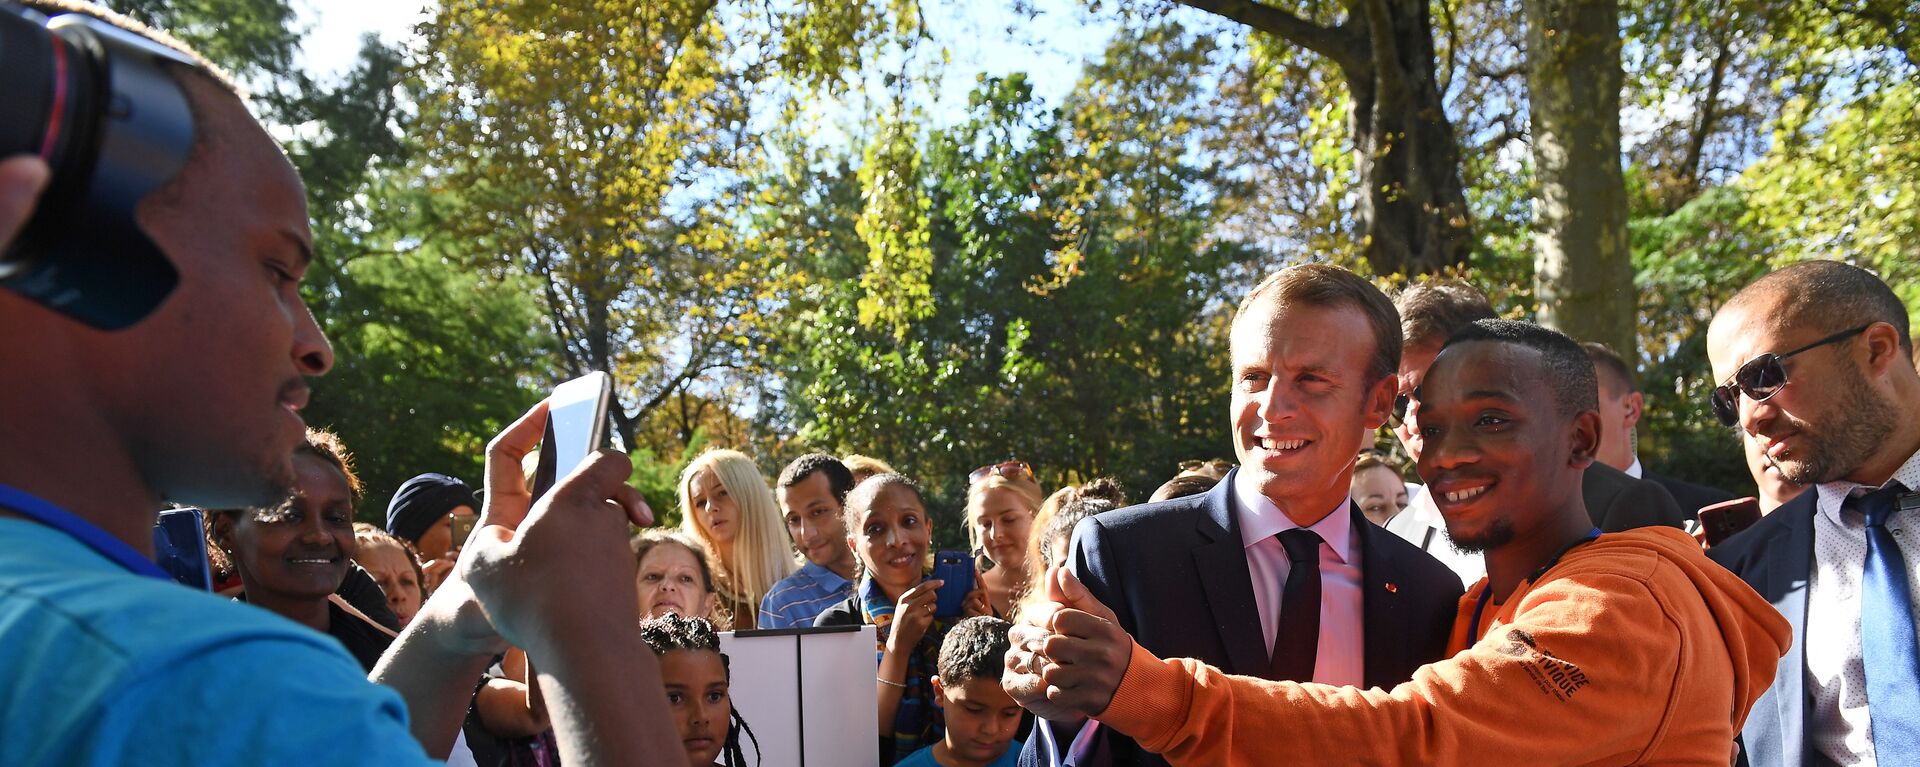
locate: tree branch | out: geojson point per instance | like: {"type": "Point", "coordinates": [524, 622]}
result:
{"type": "Point", "coordinates": [1382, 49]}
{"type": "Point", "coordinates": [556, 314]}
{"type": "Point", "coordinates": [1332, 42]}
{"type": "Point", "coordinates": [1707, 124]}
{"type": "Point", "coordinates": [1508, 71]}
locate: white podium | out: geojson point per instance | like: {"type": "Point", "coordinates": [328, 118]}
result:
{"type": "Point", "coordinates": [808, 694]}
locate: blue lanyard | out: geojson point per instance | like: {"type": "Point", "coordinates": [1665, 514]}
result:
{"type": "Point", "coordinates": [32, 507]}
{"type": "Point", "coordinates": [1473, 631]}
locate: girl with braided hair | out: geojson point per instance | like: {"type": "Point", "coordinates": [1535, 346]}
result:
{"type": "Point", "coordinates": [696, 676]}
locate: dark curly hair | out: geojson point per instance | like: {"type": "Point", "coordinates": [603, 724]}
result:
{"type": "Point", "coordinates": [672, 633]}
{"type": "Point", "coordinates": [974, 649]}
{"type": "Point", "coordinates": [839, 477]}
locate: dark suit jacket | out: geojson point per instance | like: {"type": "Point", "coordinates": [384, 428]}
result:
{"type": "Point", "coordinates": [1775, 557]}
{"type": "Point", "coordinates": [1692, 497]}
{"type": "Point", "coordinates": [1175, 574]}
{"type": "Point", "coordinates": [1619, 502]}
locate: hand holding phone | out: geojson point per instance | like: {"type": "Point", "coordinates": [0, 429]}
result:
{"type": "Point", "coordinates": [955, 570]}
{"type": "Point", "coordinates": [180, 547]}
{"type": "Point", "coordinates": [576, 428]}
{"type": "Point", "coordinates": [561, 561]}
{"type": "Point", "coordinates": [1721, 520]}
{"type": "Point", "coordinates": [463, 529]}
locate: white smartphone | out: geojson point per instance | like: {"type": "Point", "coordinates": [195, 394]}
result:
{"type": "Point", "coordinates": [576, 427]}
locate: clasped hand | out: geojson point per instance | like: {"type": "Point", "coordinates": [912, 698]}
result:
{"type": "Point", "coordinates": [1068, 654]}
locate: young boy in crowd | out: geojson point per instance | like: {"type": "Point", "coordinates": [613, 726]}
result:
{"type": "Point", "coordinates": [981, 717]}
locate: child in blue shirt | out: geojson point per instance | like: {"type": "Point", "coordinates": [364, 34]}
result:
{"type": "Point", "coordinates": [981, 717]}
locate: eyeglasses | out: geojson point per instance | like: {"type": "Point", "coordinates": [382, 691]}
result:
{"type": "Point", "coordinates": [1217, 464]}
{"type": "Point", "coordinates": [1763, 376]}
{"type": "Point", "coordinates": [1007, 469]}
{"type": "Point", "coordinates": [1400, 403]}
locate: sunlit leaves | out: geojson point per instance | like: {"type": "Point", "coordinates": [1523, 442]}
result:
{"type": "Point", "coordinates": [600, 149]}
{"type": "Point", "coordinates": [1074, 292]}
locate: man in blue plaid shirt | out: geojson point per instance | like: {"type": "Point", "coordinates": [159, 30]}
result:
{"type": "Point", "coordinates": [812, 490]}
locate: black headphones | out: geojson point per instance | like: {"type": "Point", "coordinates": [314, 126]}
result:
{"type": "Point", "coordinates": [97, 104]}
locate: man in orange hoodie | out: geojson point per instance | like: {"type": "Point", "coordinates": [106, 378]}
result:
{"type": "Point", "coordinates": [1577, 648]}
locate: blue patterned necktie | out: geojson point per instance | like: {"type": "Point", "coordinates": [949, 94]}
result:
{"type": "Point", "coordinates": [1887, 651]}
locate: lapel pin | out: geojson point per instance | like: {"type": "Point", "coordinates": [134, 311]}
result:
{"type": "Point", "coordinates": [1392, 589]}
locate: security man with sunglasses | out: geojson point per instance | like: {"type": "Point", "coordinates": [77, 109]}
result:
{"type": "Point", "coordinates": [1815, 364]}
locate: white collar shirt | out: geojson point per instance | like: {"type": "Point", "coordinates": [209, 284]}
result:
{"type": "Point", "coordinates": [1839, 729]}
{"type": "Point", "coordinates": [1340, 657]}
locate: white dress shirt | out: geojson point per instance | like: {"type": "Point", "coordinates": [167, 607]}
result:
{"type": "Point", "coordinates": [1838, 726]}
{"type": "Point", "coordinates": [1633, 470]}
{"type": "Point", "coordinates": [1340, 658]}
{"type": "Point", "coordinates": [1420, 524]}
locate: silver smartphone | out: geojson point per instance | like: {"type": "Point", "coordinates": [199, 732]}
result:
{"type": "Point", "coordinates": [576, 427]}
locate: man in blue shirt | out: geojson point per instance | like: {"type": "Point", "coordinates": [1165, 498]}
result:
{"type": "Point", "coordinates": [812, 491]}
{"type": "Point", "coordinates": [198, 402]}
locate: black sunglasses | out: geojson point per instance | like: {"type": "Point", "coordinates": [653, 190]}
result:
{"type": "Point", "coordinates": [1763, 376]}
{"type": "Point", "coordinates": [1399, 415]}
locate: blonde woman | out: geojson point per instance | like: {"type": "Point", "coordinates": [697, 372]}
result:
{"type": "Point", "coordinates": [727, 506]}
{"type": "Point", "coordinates": [1102, 488]}
{"type": "Point", "coordinates": [1001, 503]}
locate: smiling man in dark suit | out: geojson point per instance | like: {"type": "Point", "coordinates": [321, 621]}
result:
{"type": "Point", "coordinates": [1816, 367]}
{"type": "Point", "coordinates": [1275, 573]}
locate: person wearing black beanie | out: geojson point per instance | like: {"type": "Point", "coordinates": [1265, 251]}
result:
{"type": "Point", "coordinates": [422, 512]}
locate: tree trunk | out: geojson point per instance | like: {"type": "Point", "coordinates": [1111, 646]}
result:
{"type": "Point", "coordinates": [1583, 267]}
{"type": "Point", "coordinates": [1413, 207]}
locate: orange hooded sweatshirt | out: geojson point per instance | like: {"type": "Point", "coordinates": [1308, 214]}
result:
{"type": "Point", "coordinates": [1633, 649]}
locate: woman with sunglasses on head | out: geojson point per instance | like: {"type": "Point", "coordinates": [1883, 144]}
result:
{"type": "Point", "coordinates": [728, 507]}
{"type": "Point", "coordinates": [1002, 503]}
{"type": "Point", "coordinates": [891, 532]}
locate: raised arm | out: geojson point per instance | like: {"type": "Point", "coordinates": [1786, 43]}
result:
{"type": "Point", "coordinates": [554, 578]}
{"type": "Point", "coordinates": [1588, 685]}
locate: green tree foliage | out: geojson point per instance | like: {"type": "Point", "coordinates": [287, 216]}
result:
{"type": "Point", "coordinates": [1409, 197]}
{"type": "Point", "coordinates": [596, 148]}
{"type": "Point", "coordinates": [1686, 265]}
{"type": "Point", "coordinates": [1853, 191]}
{"type": "Point", "coordinates": [254, 39]}
{"type": "Point", "coordinates": [428, 371]}
{"type": "Point", "coordinates": [426, 352]}
{"type": "Point", "coordinates": [1773, 131]}
{"type": "Point", "coordinates": [1074, 316]}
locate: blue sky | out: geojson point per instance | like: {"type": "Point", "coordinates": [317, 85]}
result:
{"type": "Point", "coordinates": [1047, 39]}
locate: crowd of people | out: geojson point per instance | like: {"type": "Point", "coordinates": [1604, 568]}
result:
{"type": "Point", "coordinates": [1537, 596]}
